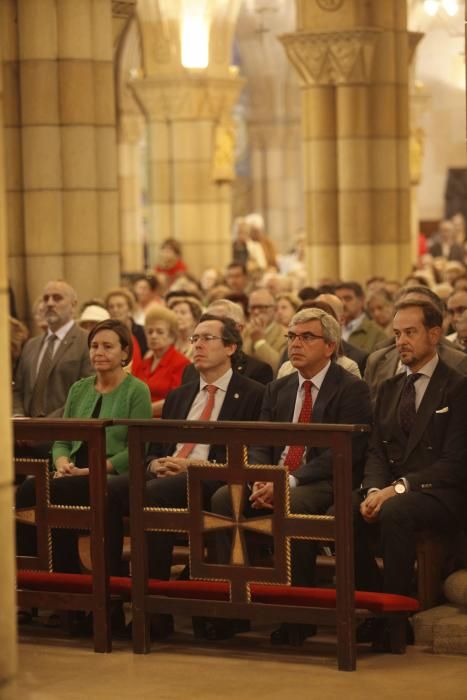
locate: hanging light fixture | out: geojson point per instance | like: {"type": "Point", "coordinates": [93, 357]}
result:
{"type": "Point", "coordinates": [195, 33]}
{"type": "Point", "coordinates": [432, 7]}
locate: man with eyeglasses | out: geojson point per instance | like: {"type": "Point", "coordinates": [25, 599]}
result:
{"type": "Point", "coordinates": [320, 392]}
{"type": "Point", "coordinates": [457, 305]}
{"type": "Point", "coordinates": [245, 364]}
{"type": "Point", "coordinates": [218, 394]}
{"type": "Point", "coordinates": [264, 337]}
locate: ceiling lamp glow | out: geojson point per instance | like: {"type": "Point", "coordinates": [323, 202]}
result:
{"type": "Point", "coordinates": [195, 36]}
{"type": "Point", "coordinates": [451, 7]}
{"type": "Point", "coordinates": [431, 7]}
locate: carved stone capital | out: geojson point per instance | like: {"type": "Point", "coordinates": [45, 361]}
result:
{"type": "Point", "coordinates": [332, 58]}
{"type": "Point", "coordinates": [169, 97]}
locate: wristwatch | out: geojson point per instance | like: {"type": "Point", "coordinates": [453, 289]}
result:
{"type": "Point", "coordinates": [399, 487]}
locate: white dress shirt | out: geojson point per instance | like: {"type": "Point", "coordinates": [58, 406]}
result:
{"type": "Point", "coordinates": [202, 451]}
{"type": "Point", "coordinates": [316, 383]}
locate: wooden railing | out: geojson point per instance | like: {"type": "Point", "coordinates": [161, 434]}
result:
{"type": "Point", "coordinates": [48, 516]}
{"type": "Point", "coordinates": [284, 525]}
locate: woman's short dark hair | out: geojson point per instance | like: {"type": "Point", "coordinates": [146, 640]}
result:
{"type": "Point", "coordinates": [230, 333]}
{"type": "Point", "coordinates": [192, 302]}
{"type": "Point", "coordinates": [153, 282]}
{"type": "Point", "coordinates": [174, 245]}
{"type": "Point", "coordinates": [124, 335]}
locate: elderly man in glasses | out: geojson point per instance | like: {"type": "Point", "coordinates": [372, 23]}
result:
{"type": "Point", "coordinates": [264, 337]}
{"type": "Point", "coordinates": [321, 392]}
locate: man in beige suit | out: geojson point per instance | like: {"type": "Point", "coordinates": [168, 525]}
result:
{"type": "Point", "coordinates": [52, 362]}
{"type": "Point", "coordinates": [264, 338]}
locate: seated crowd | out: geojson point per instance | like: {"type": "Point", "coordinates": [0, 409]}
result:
{"type": "Point", "coordinates": [256, 343]}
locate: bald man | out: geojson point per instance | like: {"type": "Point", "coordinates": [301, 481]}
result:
{"type": "Point", "coordinates": [50, 363]}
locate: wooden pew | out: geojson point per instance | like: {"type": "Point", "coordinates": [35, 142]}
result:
{"type": "Point", "coordinates": [37, 585]}
{"type": "Point", "coordinates": [228, 590]}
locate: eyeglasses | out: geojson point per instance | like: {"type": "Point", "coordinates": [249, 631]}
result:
{"type": "Point", "coordinates": [204, 337]}
{"type": "Point", "coordinates": [303, 337]}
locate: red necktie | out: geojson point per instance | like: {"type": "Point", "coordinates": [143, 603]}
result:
{"type": "Point", "coordinates": [295, 453]}
{"type": "Point", "coordinates": [188, 447]}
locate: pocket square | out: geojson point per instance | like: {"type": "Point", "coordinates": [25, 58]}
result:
{"type": "Point", "coordinates": [443, 410]}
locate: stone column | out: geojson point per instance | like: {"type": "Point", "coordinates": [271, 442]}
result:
{"type": "Point", "coordinates": [418, 99]}
{"type": "Point", "coordinates": [8, 654]}
{"type": "Point", "coordinates": [13, 152]}
{"type": "Point", "coordinates": [67, 144]}
{"type": "Point", "coordinates": [130, 164]}
{"type": "Point", "coordinates": [276, 177]}
{"type": "Point", "coordinates": [353, 68]}
{"type": "Point", "coordinates": [191, 155]}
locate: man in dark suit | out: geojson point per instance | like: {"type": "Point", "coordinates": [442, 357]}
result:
{"type": "Point", "coordinates": [51, 363]}
{"type": "Point", "coordinates": [215, 342]}
{"type": "Point", "coordinates": [336, 397]}
{"type": "Point", "coordinates": [415, 473]}
{"type": "Point", "coordinates": [245, 364]}
{"type": "Point", "coordinates": [386, 361]}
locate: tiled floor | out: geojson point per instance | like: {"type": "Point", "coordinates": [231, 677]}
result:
{"type": "Point", "coordinates": [54, 668]}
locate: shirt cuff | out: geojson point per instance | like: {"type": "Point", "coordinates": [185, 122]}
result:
{"type": "Point", "coordinates": [293, 482]}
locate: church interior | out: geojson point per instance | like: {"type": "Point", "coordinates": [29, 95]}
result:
{"type": "Point", "coordinates": [162, 141]}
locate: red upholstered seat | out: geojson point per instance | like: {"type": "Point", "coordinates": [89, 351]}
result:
{"type": "Point", "coordinates": [68, 583]}
{"type": "Point", "coordinates": [284, 595]}
{"type": "Point", "coordinates": [378, 603]}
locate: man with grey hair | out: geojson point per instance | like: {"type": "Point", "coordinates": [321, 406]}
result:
{"type": "Point", "coordinates": [52, 362]}
{"type": "Point", "coordinates": [244, 364]}
{"type": "Point", "coordinates": [320, 392]}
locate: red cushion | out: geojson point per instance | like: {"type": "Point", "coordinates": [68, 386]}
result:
{"type": "Point", "coordinates": [326, 598]}
{"type": "Point", "coordinates": [68, 583]}
{"type": "Point", "coordinates": [283, 595]}
{"type": "Point", "coordinates": [218, 590]}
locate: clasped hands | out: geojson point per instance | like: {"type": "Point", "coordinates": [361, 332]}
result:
{"type": "Point", "coordinates": [66, 468]}
{"type": "Point", "coordinates": [63, 467]}
{"type": "Point", "coordinates": [262, 495]}
{"type": "Point", "coordinates": [371, 506]}
{"type": "Point", "coordinates": [169, 466]}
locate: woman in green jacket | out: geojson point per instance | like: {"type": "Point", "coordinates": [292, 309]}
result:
{"type": "Point", "coordinates": [111, 393]}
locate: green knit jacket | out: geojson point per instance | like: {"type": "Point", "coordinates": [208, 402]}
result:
{"type": "Point", "coordinates": [131, 399]}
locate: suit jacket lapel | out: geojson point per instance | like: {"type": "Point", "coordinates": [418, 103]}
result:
{"type": "Point", "coordinates": [392, 409]}
{"type": "Point", "coordinates": [65, 344]}
{"type": "Point", "coordinates": [35, 357]}
{"type": "Point", "coordinates": [234, 400]}
{"type": "Point", "coordinates": [430, 402]}
{"type": "Point", "coordinates": [286, 399]}
{"type": "Point", "coordinates": [328, 389]}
